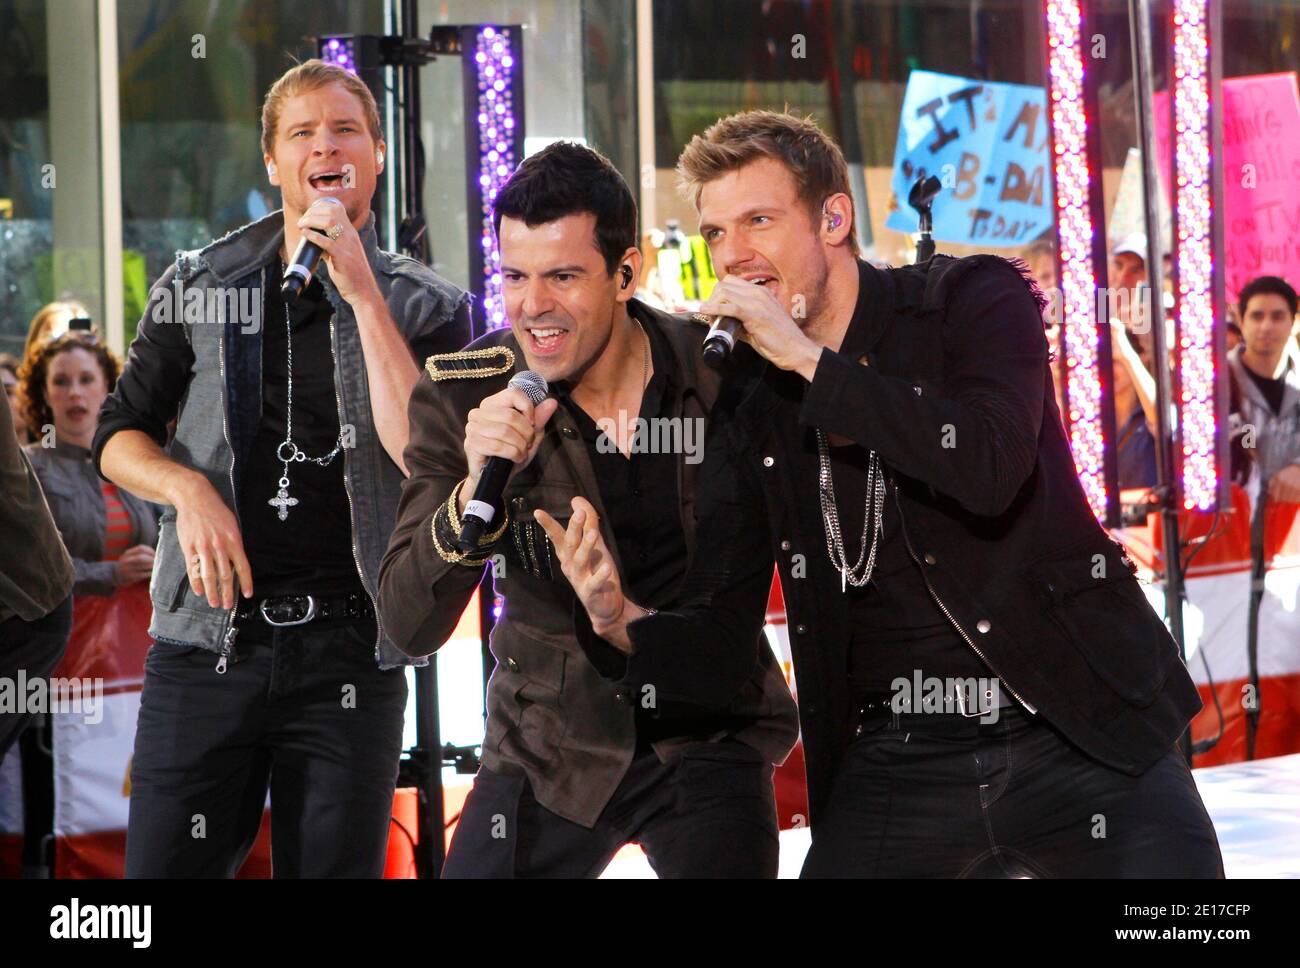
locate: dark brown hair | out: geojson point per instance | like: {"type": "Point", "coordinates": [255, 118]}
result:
{"type": "Point", "coordinates": [1266, 285]}
{"type": "Point", "coordinates": [565, 178]}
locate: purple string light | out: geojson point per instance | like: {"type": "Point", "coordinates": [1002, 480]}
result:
{"type": "Point", "coordinates": [493, 60]}
{"type": "Point", "coordinates": [1195, 255]}
{"type": "Point", "coordinates": [340, 51]}
{"type": "Point", "coordinates": [1079, 337]}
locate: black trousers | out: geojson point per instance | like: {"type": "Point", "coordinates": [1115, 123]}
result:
{"type": "Point", "coordinates": [305, 713]}
{"type": "Point", "coordinates": [35, 648]}
{"type": "Point", "coordinates": [709, 812]}
{"type": "Point", "coordinates": [942, 796]}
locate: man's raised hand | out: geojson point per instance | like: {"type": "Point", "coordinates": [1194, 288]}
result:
{"type": "Point", "coordinates": [507, 425]}
{"type": "Point", "coordinates": [589, 568]}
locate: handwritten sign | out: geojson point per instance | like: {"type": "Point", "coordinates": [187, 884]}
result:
{"type": "Point", "coordinates": [1128, 215]}
{"type": "Point", "coordinates": [1260, 171]}
{"type": "Point", "coordinates": [988, 144]}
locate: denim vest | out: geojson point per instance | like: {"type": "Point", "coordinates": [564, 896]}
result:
{"type": "Point", "coordinates": [219, 413]}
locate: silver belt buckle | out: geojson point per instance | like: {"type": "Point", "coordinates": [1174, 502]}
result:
{"type": "Point", "coordinates": [311, 613]}
{"type": "Point", "coordinates": [961, 704]}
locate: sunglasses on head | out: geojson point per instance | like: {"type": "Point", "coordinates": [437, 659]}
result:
{"type": "Point", "coordinates": [80, 328]}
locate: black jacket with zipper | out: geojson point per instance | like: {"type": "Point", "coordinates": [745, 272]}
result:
{"type": "Point", "coordinates": [956, 398]}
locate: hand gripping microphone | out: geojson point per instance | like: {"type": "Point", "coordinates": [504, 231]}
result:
{"type": "Point", "coordinates": [720, 341]}
{"type": "Point", "coordinates": [481, 509]}
{"type": "Point", "coordinates": [297, 274]}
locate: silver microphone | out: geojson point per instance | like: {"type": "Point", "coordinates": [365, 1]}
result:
{"type": "Point", "coordinates": [720, 341]}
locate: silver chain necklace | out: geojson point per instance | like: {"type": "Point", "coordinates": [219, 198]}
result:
{"type": "Point", "coordinates": [645, 356]}
{"type": "Point", "coordinates": [289, 452]}
{"type": "Point", "coordinates": [860, 572]}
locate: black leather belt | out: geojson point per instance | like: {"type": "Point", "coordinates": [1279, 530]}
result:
{"type": "Point", "coordinates": [881, 709]}
{"type": "Point", "coordinates": [286, 610]}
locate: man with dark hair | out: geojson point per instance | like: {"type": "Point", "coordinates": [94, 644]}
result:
{"type": "Point", "coordinates": [575, 765]}
{"type": "Point", "coordinates": [283, 476]}
{"type": "Point", "coordinates": [1267, 286]}
{"type": "Point", "coordinates": [983, 688]}
{"type": "Point", "coordinates": [1267, 383]}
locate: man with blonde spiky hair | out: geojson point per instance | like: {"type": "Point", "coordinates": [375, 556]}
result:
{"type": "Point", "coordinates": [983, 688]}
{"type": "Point", "coordinates": [281, 483]}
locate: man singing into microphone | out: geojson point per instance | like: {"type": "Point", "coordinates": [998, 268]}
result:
{"type": "Point", "coordinates": [574, 764]}
{"type": "Point", "coordinates": [894, 446]}
{"type": "Point", "coordinates": [282, 481]}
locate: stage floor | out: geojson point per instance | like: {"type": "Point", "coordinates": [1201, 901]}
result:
{"type": "Point", "coordinates": [1255, 807]}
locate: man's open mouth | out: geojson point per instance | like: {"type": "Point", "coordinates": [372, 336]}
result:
{"type": "Point", "coordinates": [547, 339]}
{"type": "Point", "coordinates": [326, 180]}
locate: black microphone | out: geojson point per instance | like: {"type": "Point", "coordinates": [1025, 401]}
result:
{"type": "Point", "coordinates": [297, 274]}
{"type": "Point", "coordinates": [482, 507]}
{"type": "Point", "coordinates": [720, 341]}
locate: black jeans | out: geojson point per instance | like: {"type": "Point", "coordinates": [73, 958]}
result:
{"type": "Point", "coordinates": [709, 812]}
{"type": "Point", "coordinates": [306, 712]}
{"type": "Point", "coordinates": [947, 797]}
{"type": "Point", "coordinates": [35, 648]}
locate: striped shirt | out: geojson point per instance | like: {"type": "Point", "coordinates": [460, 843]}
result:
{"type": "Point", "coordinates": [117, 533]}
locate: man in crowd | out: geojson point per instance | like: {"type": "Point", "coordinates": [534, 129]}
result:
{"type": "Point", "coordinates": [1267, 382]}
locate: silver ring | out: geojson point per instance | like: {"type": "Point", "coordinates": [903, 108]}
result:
{"type": "Point", "coordinates": [334, 232]}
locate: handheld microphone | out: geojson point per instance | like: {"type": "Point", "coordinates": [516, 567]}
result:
{"type": "Point", "coordinates": [481, 508]}
{"type": "Point", "coordinates": [720, 341]}
{"type": "Point", "coordinates": [297, 274]}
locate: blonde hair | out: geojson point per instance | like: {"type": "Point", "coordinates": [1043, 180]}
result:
{"type": "Point", "coordinates": [815, 161]}
{"type": "Point", "coordinates": [38, 330]}
{"type": "Point", "coordinates": [308, 76]}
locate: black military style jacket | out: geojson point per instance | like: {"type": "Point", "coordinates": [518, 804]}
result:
{"type": "Point", "coordinates": [552, 715]}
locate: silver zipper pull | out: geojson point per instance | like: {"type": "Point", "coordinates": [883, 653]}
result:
{"type": "Point", "coordinates": [227, 646]}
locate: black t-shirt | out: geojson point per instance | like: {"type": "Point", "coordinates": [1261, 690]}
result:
{"type": "Point", "coordinates": [640, 495]}
{"type": "Point", "coordinates": [643, 510]}
{"type": "Point", "coordinates": [311, 550]}
{"type": "Point", "coordinates": [1273, 390]}
{"type": "Point", "coordinates": [897, 627]}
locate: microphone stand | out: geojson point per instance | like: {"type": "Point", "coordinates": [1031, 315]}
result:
{"type": "Point", "coordinates": [1165, 491]}
{"type": "Point", "coordinates": [1258, 568]}
{"type": "Point", "coordinates": [921, 198]}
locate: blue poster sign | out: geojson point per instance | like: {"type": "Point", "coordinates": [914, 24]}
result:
{"type": "Point", "coordinates": [988, 144]}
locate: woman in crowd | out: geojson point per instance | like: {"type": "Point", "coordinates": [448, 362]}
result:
{"type": "Point", "coordinates": [110, 534]}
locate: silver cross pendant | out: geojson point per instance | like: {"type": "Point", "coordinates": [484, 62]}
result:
{"type": "Point", "coordinates": [282, 502]}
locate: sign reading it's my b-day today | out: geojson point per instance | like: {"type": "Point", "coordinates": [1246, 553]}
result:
{"type": "Point", "coordinates": [1260, 171]}
{"type": "Point", "coordinates": [987, 144]}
